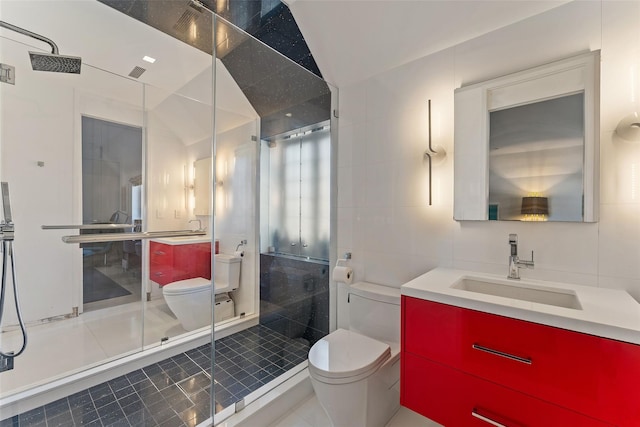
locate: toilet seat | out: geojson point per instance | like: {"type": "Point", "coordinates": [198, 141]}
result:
{"type": "Point", "coordinates": [187, 286]}
{"type": "Point", "coordinates": [345, 356]}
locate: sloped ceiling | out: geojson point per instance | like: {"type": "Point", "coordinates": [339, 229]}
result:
{"type": "Point", "coordinates": [180, 80]}
{"type": "Point", "coordinates": [282, 92]}
{"type": "Point", "coordinates": [352, 40]}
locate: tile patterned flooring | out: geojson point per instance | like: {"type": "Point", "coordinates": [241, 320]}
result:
{"type": "Point", "coordinates": [176, 391]}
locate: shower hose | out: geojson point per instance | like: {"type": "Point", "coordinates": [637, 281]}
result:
{"type": "Point", "coordinates": [7, 253]}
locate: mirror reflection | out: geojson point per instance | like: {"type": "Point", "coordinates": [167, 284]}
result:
{"type": "Point", "coordinates": [536, 156]}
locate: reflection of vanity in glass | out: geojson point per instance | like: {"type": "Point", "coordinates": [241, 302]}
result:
{"type": "Point", "coordinates": [179, 258]}
{"type": "Point", "coordinates": [526, 144]}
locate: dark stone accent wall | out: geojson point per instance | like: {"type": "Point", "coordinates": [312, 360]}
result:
{"type": "Point", "coordinates": [294, 296]}
{"type": "Point", "coordinates": [285, 94]}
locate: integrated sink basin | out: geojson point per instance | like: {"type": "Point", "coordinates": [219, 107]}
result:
{"type": "Point", "coordinates": [186, 238]}
{"type": "Point", "coordinates": [558, 297]}
{"type": "Point", "coordinates": [593, 310]}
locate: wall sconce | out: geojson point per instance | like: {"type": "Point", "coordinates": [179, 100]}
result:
{"type": "Point", "coordinates": [221, 172]}
{"type": "Point", "coordinates": [629, 128]}
{"type": "Point", "coordinates": [432, 154]}
{"type": "Point", "coordinates": [189, 187]}
{"type": "Point", "coordinates": [535, 208]}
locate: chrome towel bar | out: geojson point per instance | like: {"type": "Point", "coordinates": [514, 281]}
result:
{"type": "Point", "coordinates": [88, 227]}
{"type": "Point", "coordinates": [114, 237]}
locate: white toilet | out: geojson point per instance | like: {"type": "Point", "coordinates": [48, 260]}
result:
{"type": "Point", "coordinates": [355, 373]}
{"type": "Point", "coordinates": [190, 299]}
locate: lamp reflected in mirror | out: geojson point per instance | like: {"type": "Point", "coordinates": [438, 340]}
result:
{"type": "Point", "coordinates": [535, 208]}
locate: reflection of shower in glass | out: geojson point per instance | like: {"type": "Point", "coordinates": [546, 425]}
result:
{"type": "Point", "coordinates": [48, 61]}
{"type": "Point", "coordinates": [6, 236]}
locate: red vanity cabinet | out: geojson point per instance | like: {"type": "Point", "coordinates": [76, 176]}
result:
{"type": "Point", "coordinates": [454, 398]}
{"type": "Point", "coordinates": [170, 263]}
{"type": "Point", "coordinates": [582, 375]}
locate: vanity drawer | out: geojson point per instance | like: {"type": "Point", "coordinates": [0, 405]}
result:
{"type": "Point", "coordinates": [453, 398]}
{"type": "Point", "coordinates": [170, 263]}
{"type": "Point", "coordinates": [588, 374]}
{"type": "Point", "coordinates": [161, 274]}
{"type": "Point", "coordinates": [160, 254]}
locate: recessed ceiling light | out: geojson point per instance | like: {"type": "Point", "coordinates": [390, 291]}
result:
{"type": "Point", "coordinates": [149, 59]}
{"type": "Point", "coordinates": [288, 114]}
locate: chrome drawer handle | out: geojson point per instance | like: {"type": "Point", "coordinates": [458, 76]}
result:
{"type": "Point", "coordinates": [158, 253]}
{"type": "Point", "coordinates": [502, 354]}
{"type": "Point", "coordinates": [160, 274]}
{"type": "Point", "coordinates": [486, 420]}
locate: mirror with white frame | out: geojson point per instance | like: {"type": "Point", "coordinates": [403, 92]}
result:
{"type": "Point", "coordinates": [526, 144]}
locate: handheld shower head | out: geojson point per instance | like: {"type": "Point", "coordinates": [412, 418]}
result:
{"type": "Point", "coordinates": [48, 61]}
{"type": "Point", "coordinates": [6, 204]}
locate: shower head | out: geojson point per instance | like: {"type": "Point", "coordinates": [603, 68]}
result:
{"type": "Point", "coordinates": [48, 61]}
{"type": "Point", "coordinates": [55, 62]}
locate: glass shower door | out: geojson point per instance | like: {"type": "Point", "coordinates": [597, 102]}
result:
{"type": "Point", "coordinates": [273, 344]}
{"type": "Point", "coordinates": [179, 132]}
{"type": "Point", "coordinates": [42, 132]}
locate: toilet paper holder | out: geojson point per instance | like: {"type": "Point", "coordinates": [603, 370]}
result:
{"type": "Point", "coordinates": [347, 257]}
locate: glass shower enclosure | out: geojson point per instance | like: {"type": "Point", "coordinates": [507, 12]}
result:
{"type": "Point", "coordinates": [131, 177]}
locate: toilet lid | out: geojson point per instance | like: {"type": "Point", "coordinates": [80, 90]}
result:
{"type": "Point", "coordinates": [344, 353]}
{"type": "Point", "coordinates": [186, 286]}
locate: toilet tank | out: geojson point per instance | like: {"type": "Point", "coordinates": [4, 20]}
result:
{"type": "Point", "coordinates": [374, 311]}
{"type": "Point", "coordinates": [227, 271]}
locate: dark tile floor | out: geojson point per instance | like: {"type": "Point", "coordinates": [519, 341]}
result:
{"type": "Point", "coordinates": [176, 391]}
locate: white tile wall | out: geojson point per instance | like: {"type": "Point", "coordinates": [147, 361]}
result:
{"type": "Point", "coordinates": [38, 127]}
{"type": "Point", "coordinates": [619, 247]}
{"type": "Point", "coordinates": [383, 215]}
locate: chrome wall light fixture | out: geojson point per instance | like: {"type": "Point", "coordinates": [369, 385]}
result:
{"type": "Point", "coordinates": [629, 128]}
{"type": "Point", "coordinates": [432, 154]}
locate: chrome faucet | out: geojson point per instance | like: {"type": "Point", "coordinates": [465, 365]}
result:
{"type": "Point", "coordinates": [199, 224]}
{"type": "Point", "coordinates": [242, 243]}
{"type": "Point", "coordinates": [514, 262]}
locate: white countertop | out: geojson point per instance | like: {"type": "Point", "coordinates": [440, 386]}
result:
{"type": "Point", "coordinates": [607, 313]}
{"type": "Point", "coordinates": [183, 240]}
